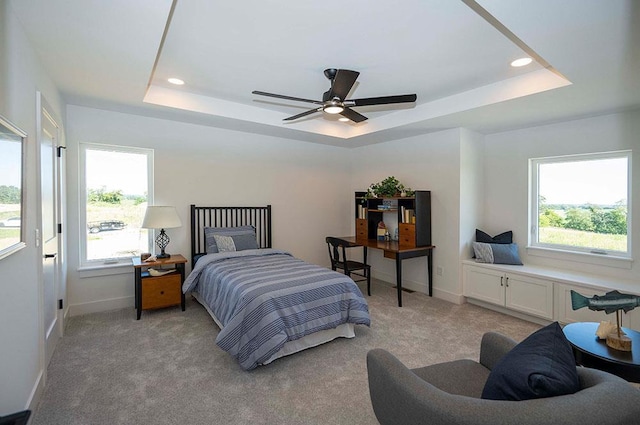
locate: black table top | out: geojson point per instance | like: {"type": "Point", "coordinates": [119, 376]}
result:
{"type": "Point", "coordinates": [582, 336]}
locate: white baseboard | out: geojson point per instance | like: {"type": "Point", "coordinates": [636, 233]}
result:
{"type": "Point", "coordinates": [102, 305]}
{"type": "Point", "coordinates": [36, 393]}
{"type": "Point", "coordinates": [448, 296]}
{"type": "Point", "coordinates": [414, 285]}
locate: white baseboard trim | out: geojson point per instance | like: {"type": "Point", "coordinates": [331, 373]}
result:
{"type": "Point", "coordinates": [101, 305]}
{"type": "Point", "coordinates": [36, 393]}
{"type": "Point", "coordinates": [448, 296]}
{"type": "Point", "coordinates": [414, 285]}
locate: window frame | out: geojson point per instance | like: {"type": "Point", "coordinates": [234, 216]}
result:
{"type": "Point", "coordinates": [82, 202]}
{"type": "Point", "coordinates": [566, 251]}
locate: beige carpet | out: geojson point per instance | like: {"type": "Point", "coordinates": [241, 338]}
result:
{"type": "Point", "coordinates": [166, 368]}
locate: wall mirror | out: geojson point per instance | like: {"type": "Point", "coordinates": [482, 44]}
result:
{"type": "Point", "coordinates": [12, 164]}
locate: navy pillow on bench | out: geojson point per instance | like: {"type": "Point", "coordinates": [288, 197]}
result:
{"type": "Point", "coordinates": [540, 366]}
{"type": "Point", "coordinates": [506, 237]}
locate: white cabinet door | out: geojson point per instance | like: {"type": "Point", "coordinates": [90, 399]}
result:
{"type": "Point", "coordinates": [529, 295]}
{"type": "Point", "coordinates": [484, 285]}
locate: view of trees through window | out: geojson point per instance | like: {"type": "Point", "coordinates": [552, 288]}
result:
{"type": "Point", "coordinates": [117, 195]}
{"type": "Point", "coordinates": [10, 188]}
{"type": "Point", "coordinates": [583, 203]}
{"type": "Point", "coordinates": [9, 215]}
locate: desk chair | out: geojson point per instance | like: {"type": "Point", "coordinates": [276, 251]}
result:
{"type": "Point", "coordinates": [338, 255]}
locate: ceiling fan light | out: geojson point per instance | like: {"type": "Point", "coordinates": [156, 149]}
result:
{"type": "Point", "coordinates": [344, 119]}
{"type": "Point", "coordinates": [333, 109]}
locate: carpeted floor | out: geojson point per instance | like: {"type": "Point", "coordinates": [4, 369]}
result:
{"type": "Point", "coordinates": [166, 368]}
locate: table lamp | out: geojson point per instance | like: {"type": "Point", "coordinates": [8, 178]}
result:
{"type": "Point", "coordinates": [157, 217]}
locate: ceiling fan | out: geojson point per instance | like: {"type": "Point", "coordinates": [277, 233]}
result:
{"type": "Point", "coordinates": [333, 100]}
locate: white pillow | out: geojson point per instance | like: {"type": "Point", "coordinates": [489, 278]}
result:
{"type": "Point", "coordinates": [225, 243]}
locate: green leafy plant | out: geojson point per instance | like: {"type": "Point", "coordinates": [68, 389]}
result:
{"type": "Point", "coordinates": [387, 188]}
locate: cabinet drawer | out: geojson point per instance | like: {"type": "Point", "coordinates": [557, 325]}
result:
{"type": "Point", "coordinates": [407, 235]}
{"type": "Point", "coordinates": [161, 291]}
{"type": "Point", "coordinates": [361, 229]}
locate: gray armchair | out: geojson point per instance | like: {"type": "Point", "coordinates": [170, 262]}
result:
{"type": "Point", "coordinates": [449, 393]}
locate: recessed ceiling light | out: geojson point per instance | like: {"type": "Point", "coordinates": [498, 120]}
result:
{"type": "Point", "coordinates": [343, 119]}
{"type": "Point", "coordinates": [176, 81]}
{"type": "Point", "coordinates": [521, 62]}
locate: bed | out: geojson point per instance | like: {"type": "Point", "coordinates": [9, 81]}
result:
{"type": "Point", "coordinates": [267, 303]}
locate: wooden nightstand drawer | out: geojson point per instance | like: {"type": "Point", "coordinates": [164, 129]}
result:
{"type": "Point", "coordinates": [161, 291]}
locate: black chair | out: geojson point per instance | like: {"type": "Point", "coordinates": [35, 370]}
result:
{"type": "Point", "coordinates": [338, 255]}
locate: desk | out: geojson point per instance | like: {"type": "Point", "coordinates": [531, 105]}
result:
{"type": "Point", "coordinates": [393, 251]}
{"type": "Point", "coordinates": [593, 352]}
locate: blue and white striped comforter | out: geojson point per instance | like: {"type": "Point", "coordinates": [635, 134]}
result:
{"type": "Point", "coordinates": [266, 297]}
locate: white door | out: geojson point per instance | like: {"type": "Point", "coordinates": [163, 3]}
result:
{"type": "Point", "coordinates": [49, 227]}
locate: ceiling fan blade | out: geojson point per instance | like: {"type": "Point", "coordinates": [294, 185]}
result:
{"type": "Point", "coordinates": [353, 115]}
{"type": "Point", "coordinates": [342, 83]}
{"type": "Point", "coordinates": [303, 114]}
{"type": "Point", "coordinates": [383, 100]}
{"type": "Point", "coordinates": [281, 96]}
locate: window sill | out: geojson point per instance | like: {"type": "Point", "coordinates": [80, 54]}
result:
{"type": "Point", "coordinates": [579, 257]}
{"type": "Point", "coordinates": [104, 269]}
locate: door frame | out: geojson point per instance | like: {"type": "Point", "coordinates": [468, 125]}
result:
{"type": "Point", "coordinates": [44, 111]}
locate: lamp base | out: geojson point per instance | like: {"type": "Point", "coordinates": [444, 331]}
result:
{"type": "Point", "coordinates": [162, 240]}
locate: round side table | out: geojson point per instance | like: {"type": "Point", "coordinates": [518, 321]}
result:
{"type": "Point", "coordinates": [590, 351]}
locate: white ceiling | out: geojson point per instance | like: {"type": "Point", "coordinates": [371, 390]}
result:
{"type": "Point", "coordinates": [454, 55]}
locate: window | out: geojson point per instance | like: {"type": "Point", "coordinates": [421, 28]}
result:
{"type": "Point", "coordinates": [580, 203]}
{"type": "Point", "coordinates": [116, 186]}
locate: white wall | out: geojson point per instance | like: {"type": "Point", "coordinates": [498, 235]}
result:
{"type": "Point", "coordinates": [21, 330]}
{"type": "Point", "coordinates": [506, 177]}
{"type": "Point", "coordinates": [428, 162]}
{"type": "Point", "coordinates": [471, 190]}
{"type": "Point", "coordinates": [304, 183]}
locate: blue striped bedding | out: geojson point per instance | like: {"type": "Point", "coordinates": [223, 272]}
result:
{"type": "Point", "coordinates": [266, 297]}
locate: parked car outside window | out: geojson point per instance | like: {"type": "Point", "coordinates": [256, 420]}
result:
{"type": "Point", "coordinates": [11, 222]}
{"type": "Point", "coordinates": [101, 226]}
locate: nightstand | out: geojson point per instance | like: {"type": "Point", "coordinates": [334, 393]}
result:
{"type": "Point", "coordinates": [158, 291]}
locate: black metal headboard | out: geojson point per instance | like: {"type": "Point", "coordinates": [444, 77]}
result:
{"type": "Point", "coordinates": [201, 217]}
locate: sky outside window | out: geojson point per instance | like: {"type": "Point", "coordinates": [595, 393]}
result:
{"type": "Point", "coordinates": [597, 182]}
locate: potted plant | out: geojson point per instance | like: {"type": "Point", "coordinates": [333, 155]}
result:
{"type": "Point", "coordinates": [386, 188]}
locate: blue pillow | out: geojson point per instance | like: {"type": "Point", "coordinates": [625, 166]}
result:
{"type": "Point", "coordinates": [497, 253]}
{"type": "Point", "coordinates": [541, 366]}
{"type": "Point", "coordinates": [233, 242]}
{"type": "Point", "coordinates": [210, 241]}
{"type": "Point", "coordinates": [505, 237]}
{"type": "Point", "coordinates": [243, 242]}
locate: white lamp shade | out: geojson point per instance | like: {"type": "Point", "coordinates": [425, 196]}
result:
{"type": "Point", "coordinates": [158, 217]}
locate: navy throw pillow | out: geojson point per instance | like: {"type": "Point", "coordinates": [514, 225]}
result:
{"type": "Point", "coordinates": [540, 366]}
{"type": "Point", "coordinates": [506, 237]}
